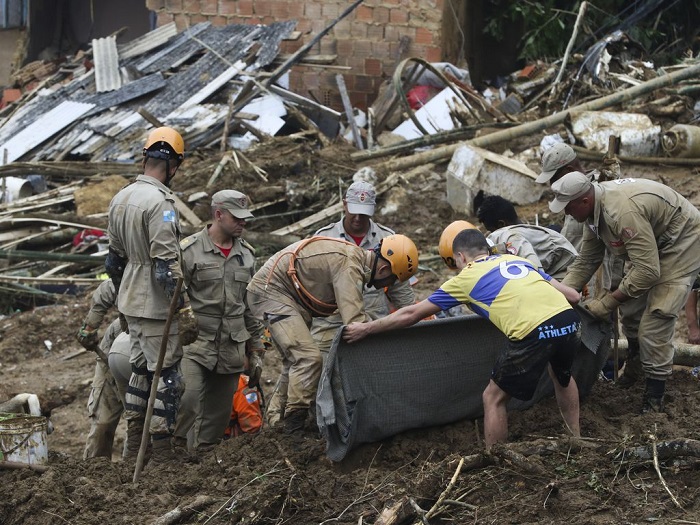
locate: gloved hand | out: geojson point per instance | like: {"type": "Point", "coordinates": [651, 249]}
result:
{"type": "Point", "coordinates": [255, 366]}
{"type": "Point", "coordinates": [187, 325]}
{"type": "Point", "coordinates": [87, 337]}
{"type": "Point", "coordinates": [601, 308]}
{"type": "Point", "coordinates": [502, 248]}
{"type": "Point", "coordinates": [123, 324]}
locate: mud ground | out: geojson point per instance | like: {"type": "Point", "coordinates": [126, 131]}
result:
{"type": "Point", "coordinates": [271, 478]}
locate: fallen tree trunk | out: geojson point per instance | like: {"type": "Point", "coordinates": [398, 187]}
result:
{"type": "Point", "coordinates": [684, 354]}
{"type": "Point", "coordinates": [666, 450]}
{"type": "Point", "coordinates": [67, 168]}
{"type": "Point", "coordinates": [442, 153]}
{"type": "Point", "coordinates": [587, 154]}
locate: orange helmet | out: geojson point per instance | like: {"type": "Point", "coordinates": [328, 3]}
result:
{"type": "Point", "coordinates": [165, 143]}
{"type": "Point", "coordinates": [448, 237]}
{"type": "Point", "coordinates": [402, 254]}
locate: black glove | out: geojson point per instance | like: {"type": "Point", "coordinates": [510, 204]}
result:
{"type": "Point", "coordinates": [87, 337]}
{"type": "Point", "coordinates": [123, 324]}
{"type": "Point", "coordinates": [187, 325]}
{"type": "Point", "coordinates": [255, 366]}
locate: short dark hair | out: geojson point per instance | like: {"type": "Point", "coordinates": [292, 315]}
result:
{"type": "Point", "coordinates": [495, 208]}
{"type": "Point", "coordinates": [470, 242]}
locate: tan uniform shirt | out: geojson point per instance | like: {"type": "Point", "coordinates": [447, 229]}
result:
{"type": "Point", "coordinates": [376, 301]}
{"type": "Point", "coordinates": [144, 225]}
{"type": "Point", "coordinates": [216, 286]}
{"type": "Point", "coordinates": [543, 247]}
{"type": "Point", "coordinates": [645, 222]}
{"type": "Point", "coordinates": [103, 298]}
{"type": "Point", "coordinates": [331, 271]}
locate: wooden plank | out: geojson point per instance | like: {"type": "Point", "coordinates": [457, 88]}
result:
{"type": "Point", "coordinates": [186, 212]}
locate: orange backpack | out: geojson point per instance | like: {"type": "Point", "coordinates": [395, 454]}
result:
{"type": "Point", "coordinates": [246, 414]}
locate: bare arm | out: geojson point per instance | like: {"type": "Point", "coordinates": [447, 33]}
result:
{"type": "Point", "coordinates": [691, 315]}
{"type": "Point", "coordinates": [571, 294]}
{"type": "Point", "coordinates": [402, 318]}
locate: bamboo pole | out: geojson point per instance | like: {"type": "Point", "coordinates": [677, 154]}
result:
{"type": "Point", "coordinates": [439, 154]}
{"type": "Point", "coordinates": [27, 255]}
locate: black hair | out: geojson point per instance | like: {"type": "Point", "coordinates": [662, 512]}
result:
{"type": "Point", "coordinates": [470, 242]}
{"type": "Point", "coordinates": [495, 210]}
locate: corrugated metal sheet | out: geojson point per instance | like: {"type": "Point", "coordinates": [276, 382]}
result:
{"type": "Point", "coordinates": [107, 77]}
{"type": "Point", "coordinates": [128, 92]}
{"type": "Point", "coordinates": [147, 42]}
{"type": "Point", "coordinates": [43, 128]}
{"type": "Point", "coordinates": [182, 45]}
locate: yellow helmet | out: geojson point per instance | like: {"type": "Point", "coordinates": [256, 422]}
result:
{"type": "Point", "coordinates": [165, 143]}
{"type": "Point", "coordinates": [448, 237]}
{"type": "Point", "coordinates": [402, 254]}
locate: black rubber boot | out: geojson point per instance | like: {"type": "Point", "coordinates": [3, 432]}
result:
{"type": "Point", "coordinates": [633, 366]}
{"type": "Point", "coordinates": [654, 396]}
{"type": "Point", "coordinates": [134, 431]}
{"type": "Point", "coordinates": [294, 420]}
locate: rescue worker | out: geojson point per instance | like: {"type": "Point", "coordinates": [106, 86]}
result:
{"type": "Point", "coordinates": [316, 277]}
{"type": "Point", "coordinates": [356, 227]}
{"type": "Point", "coordinates": [218, 264]}
{"type": "Point", "coordinates": [144, 264]}
{"type": "Point", "coordinates": [107, 394]}
{"type": "Point", "coordinates": [544, 248]}
{"type": "Point", "coordinates": [691, 314]}
{"type": "Point", "coordinates": [658, 231]}
{"type": "Point", "coordinates": [527, 305]}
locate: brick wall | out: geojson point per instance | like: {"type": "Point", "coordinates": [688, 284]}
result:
{"type": "Point", "coordinates": [367, 40]}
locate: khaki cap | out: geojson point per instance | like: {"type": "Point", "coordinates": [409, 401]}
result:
{"type": "Point", "coordinates": [570, 187]}
{"type": "Point", "coordinates": [233, 201]}
{"type": "Point", "coordinates": [554, 158]}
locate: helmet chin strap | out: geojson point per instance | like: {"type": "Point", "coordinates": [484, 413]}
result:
{"type": "Point", "coordinates": [374, 265]}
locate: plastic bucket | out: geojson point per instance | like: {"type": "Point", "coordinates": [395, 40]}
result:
{"type": "Point", "coordinates": [23, 439]}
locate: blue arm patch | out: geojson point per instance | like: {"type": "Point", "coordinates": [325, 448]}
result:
{"type": "Point", "coordinates": [169, 216]}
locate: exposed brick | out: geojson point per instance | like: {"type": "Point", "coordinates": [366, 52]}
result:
{"type": "Point", "coordinates": [364, 84]}
{"type": "Point", "coordinates": [304, 26]}
{"type": "Point", "coordinates": [191, 6]}
{"type": "Point", "coordinates": [196, 18]}
{"type": "Point", "coordinates": [311, 80]}
{"type": "Point", "coordinates": [173, 6]}
{"type": "Point", "coordinates": [381, 50]}
{"type": "Point", "coordinates": [342, 29]}
{"type": "Point", "coordinates": [344, 47]}
{"type": "Point", "coordinates": [349, 82]}
{"type": "Point", "coordinates": [433, 54]}
{"type": "Point", "coordinates": [358, 30]}
{"type": "Point", "coordinates": [329, 46]}
{"type": "Point", "coordinates": [381, 15]}
{"type": "Point", "coordinates": [209, 7]}
{"type": "Point", "coordinates": [393, 2]}
{"type": "Point", "coordinates": [312, 11]}
{"type": "Point", "coordinates": [398, 16]}
{"type": "Point", "coordinates": [373, 67]}
{"type": "Point", "coordinates": [237, 19]}
{"type": "Point", "coordinates": [362, 48]}
{"type": "Point", "coordinates": [356, 63]}
{"type": "Point", "coordinates": [262, 7]}
{"type": "Point", "coordinates": [375, 32]}
{"type": "Point", "coordinates": [155, 5]}
{"type": "Point", "coordinates": [244, 7]}
{"type": "Point", "coordinates": [291, 46]}
{"type": "Point", "coordinates": [359, 100]}
{"type": "Point", "coordinates": [218, 21]}
{"type": "Point", "coordinates": [164, 18]}
{"type": "Point", "coordinates": [330, 11]}
{"type": "Point", "coordinates": [296, 9]}
{"type": "Point", "coordinates": [228, 7]}
{"type": "Point", "coordinates": [424, 36]}
{"type": "Point", "coordinates": [266, 20]}
{"type": "Point", "coordinates": [364, 13]}
{"type": "Point", "coordinates": [318, 25]}
{"type": "Point", "coordinates": [280, 10]}
{"type": "Point", "coordinates": [182, 22]}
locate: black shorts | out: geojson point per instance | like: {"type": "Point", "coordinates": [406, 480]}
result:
{"type": "Point", "coordinates": [556, 341]}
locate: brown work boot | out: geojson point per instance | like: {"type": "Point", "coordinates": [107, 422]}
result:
{"type": "Point", "coordinates": [181, 451]}
{"type": "Point", "coordinates": [294, 420]}
{"type": "Point", "coordinates": [134, 431]}
{"type": "Point", "coordinates": [633, 366]}
{"type": "Point", "coordinates": [653, 400]}
{"type": "Point", "coordinates": [163, 454]}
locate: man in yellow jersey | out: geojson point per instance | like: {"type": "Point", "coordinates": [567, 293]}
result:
{"type": "Point", "coordinates": [527, 305]}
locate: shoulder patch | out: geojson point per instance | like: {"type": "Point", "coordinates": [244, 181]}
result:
{"type": "Point", "coordinates": [246, 244]}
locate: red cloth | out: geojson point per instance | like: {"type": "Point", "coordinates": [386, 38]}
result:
{"type": "Point", "coordinates": [89, 236]}
{"type": "Point", "coordinates": [419, 96]}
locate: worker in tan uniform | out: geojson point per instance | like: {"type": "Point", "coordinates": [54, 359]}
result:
{"type": "Point", "coordinates": [108, 390]}
{"type": "Point", "coordinates": [356, 227]}
{"type": "Point", "coordinates": [218, 265]}
{"type": "Point", "coordinates": [557, 161]}
{"type": "Point", "coordinates": [144, 264]}
{"type": "Point", "coordinates": [658, 231]}
{"type": "Point", "coordinates": [546, 249]}
{"type": "Point", "coordinates": [318, 277]}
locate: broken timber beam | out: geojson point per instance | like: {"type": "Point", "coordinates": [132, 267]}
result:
{"type": "Point", "coordinates": [445, 152]}
{"type": "Point", "coordinates": [587, 154]}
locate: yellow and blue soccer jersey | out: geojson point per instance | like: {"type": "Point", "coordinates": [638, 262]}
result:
{"type": "Point", "coordinates": [505, 289]}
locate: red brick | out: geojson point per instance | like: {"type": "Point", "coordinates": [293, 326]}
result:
{"type": "Point", "coordinates": [381, 15]}
{"type": "Point", "coordinates": [218, 21]}
{"type": "Point", "coordinates": [433, 54]}
{"type": "Point", "coordinates": [280, 10]}
{"type": "Point", "coordinates": [356, 63]}
{"type": "Point", "coordinates": [398, 16]}
{"type": "Point", "coordinates": [364, 84]}
{"type": "Point", "coordinates": [311, 80]}
{"type": "Point", "coordinates": [375, 32]}
{"type": "Point", "coordinates": [349, 82]}
{"type": "Point", "coordinates": [373, 67]}
{"type": "Point", "coordinates": [312, 11]}
{"type": "Point", "coordinates": [237, 19]}
{"type": "Point", "coordinates": [155, 5]}
{"type": "Point", "coordinates": [164, 18]}
{"type": "Point", "coordinates": [266, 20]}
{"type": "Point", "coordinates": [182, 22]}
{"type": "Point", "coordinates": [191, 6]}
{"type": "Point", "coordinates": [262, 7]}
{"type": "Point", "coordinates": [210, 7]}
{"type": "Point", "coordinates": [330, 11]}
{"type": "Point", "coordinates": [173, 6]}
{"type": "Point", "coordinates": [364, 13]}
{"type": "Point", "coordinates": [291, 46]}
{"type": "Point", "coordinates": [243, 7]}
{"type": "Point", "coordinates": [362, 48]}
{"type": "Point", "coordinates": [344, 48]}
{"type": "Point", "coordinates": [424, 36]}
{"type": "Point", "coordinates": [328, 46]}
{"type": "Point", "coordinates": [227, 7]}
{"type": "Point", "coordinates": [303, 25]}
{"type": "Point", "coordinates": [196, 18]}
{"type": "Point", "coordinates": [296, 9]}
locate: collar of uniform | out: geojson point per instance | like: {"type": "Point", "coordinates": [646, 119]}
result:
{"type": "Point", "coordinates": [597, 188]}
{"type": "Point", "coordinates": [369, 237]}
{"type": "Point", "coordinates": [155, 182]}
{"type": "Point", "coordinates": [209, 245]}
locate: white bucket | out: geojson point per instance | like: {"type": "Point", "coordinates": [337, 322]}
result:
{"type": "Point", "coordinates": [23, 439]}
{"type": "Point", "coordinates": [13, 188]}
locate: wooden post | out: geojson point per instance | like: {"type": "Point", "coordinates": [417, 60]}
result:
{"type": "Point", "coordinates": [348, 111]}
